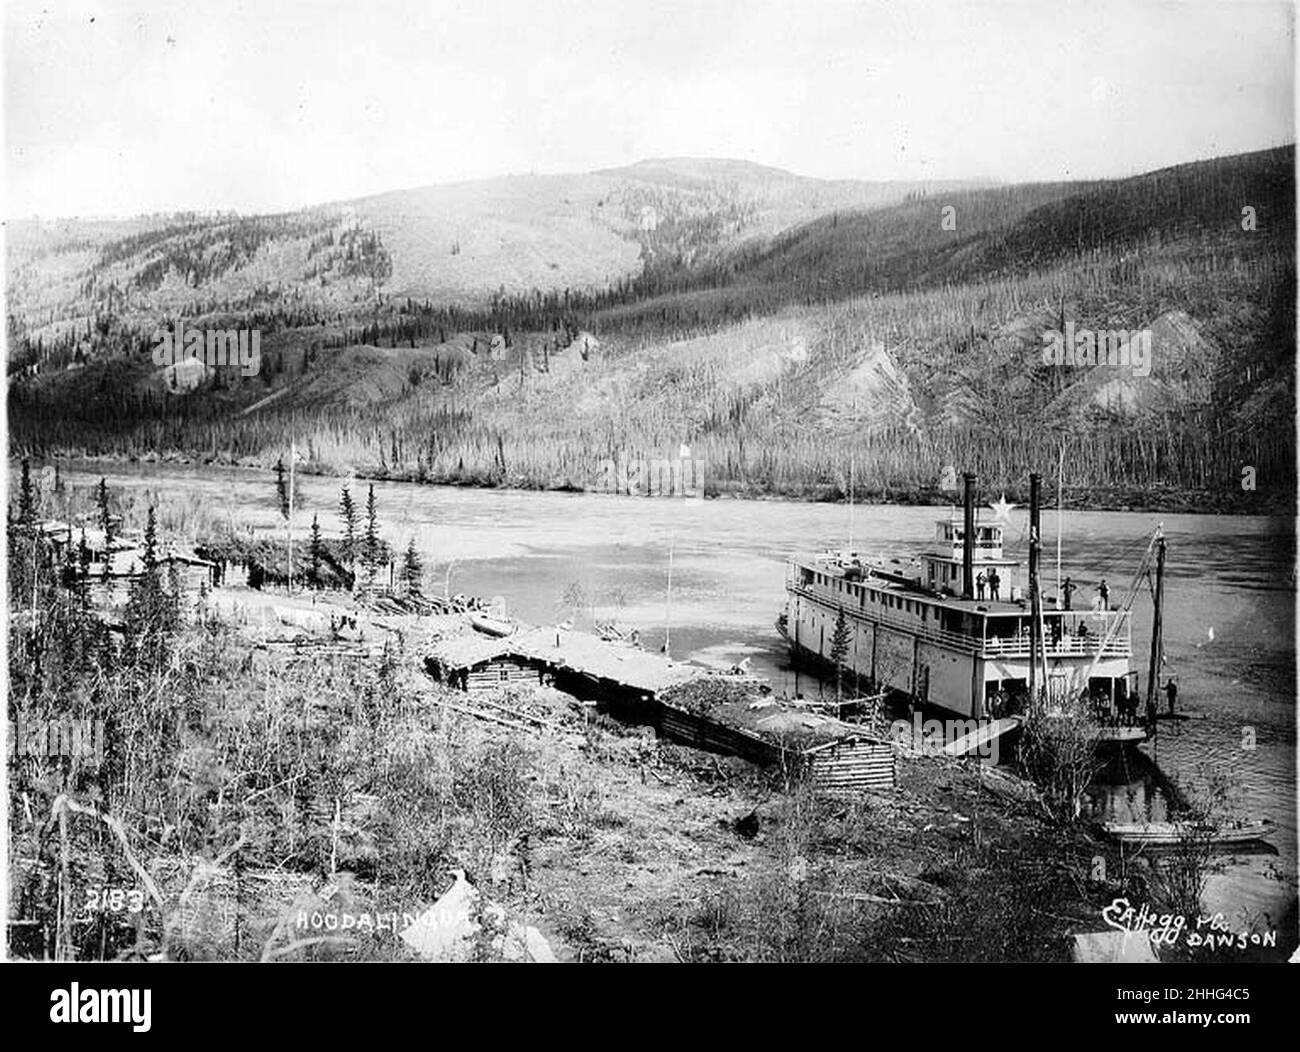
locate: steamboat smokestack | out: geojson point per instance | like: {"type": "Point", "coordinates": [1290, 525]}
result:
{"type": "Point", "coordinates": [1035, 538]}
{"type": "Point", "coordinates": [1035, 592]}
{"type": "Point", "coordinates": [968, 539]}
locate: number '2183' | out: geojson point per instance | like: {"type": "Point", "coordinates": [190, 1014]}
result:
{"type": "Point", "coordinates": [114, 900]}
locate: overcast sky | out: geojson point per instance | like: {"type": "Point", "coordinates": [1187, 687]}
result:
{"type": "Point", "coordinates": [114, 109]}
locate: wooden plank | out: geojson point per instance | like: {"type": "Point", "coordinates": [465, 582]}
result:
{"type": "Point", "coordinates": [968, 743]}
{"type": "Point", "coordinates": [484, 716]}
{"type": "Point", "coordinates": [521, 715]}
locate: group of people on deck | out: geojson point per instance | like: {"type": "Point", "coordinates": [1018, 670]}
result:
{"type": "Point", "coordinates": [1068, 588]}
{"type": "Point", "coordinates": [1126, 704]}
{"type": "Point", "coordinates": [992, 582]}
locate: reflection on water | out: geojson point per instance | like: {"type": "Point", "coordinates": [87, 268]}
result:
{"type": "Point", "coordinates": [1129, 788]}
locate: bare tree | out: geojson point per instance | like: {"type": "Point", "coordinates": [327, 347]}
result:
{"type": "Point", "coordinates": [1058, 750]}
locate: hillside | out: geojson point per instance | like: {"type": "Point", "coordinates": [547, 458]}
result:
{"type": "Point", "coordinates": [462, 242]}
{"type": "Point", "coordinates": [772, 346]}
{"type": "Point", "coordinates": [970, 235]}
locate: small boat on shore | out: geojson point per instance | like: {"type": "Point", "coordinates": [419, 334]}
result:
{"type": "Point", "coordinates": [492, 626]}
{"type": "Point", "coordinates": [1169, 834]}
{"type": "Point", "coordinates": [1122, 735]}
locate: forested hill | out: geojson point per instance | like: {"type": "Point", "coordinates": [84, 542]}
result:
{"type": "Point", "coordinates": [772, 323]}
{"type": "Point", "coordinates": [458, 243]}
{"type": "Point", "coordinates": [974, 235]}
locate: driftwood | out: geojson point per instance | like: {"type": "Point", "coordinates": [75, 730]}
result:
{"type": "Point", "coordinates": [933, 893]}
{"type": "Point", "coordinates": [1010, 788]}
{"type": "Point", "coordinates": [491, 717]}
{"type": "Point", "coordinates": [484, 716]}
{"type": "Point", "coordinates": [521, 715]}
{"type": "Point", "coordinates": [860, 896]}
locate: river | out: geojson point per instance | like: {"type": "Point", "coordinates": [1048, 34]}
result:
{"type": "Point", "coordinates": [1229, 621]}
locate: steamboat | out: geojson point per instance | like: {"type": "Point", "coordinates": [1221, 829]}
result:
{"type": "Point", "coordinates": [942, 636]}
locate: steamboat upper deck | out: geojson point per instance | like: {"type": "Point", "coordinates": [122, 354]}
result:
{"type": "Point", "coordinates": [989, 628]}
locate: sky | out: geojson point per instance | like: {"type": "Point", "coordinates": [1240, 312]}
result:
{"type": "Point", "coordinates": [130, 107]}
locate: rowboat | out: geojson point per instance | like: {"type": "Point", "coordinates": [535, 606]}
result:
{"type": "Point", "coordinates": [1156, 834]}
{"type": "Point", "coordinates": [1122, 735]}
{"type": "Point", "coordinates": [492, 626]}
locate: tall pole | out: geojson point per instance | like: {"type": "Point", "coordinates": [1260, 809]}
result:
{"type": "Point", "coordinates": [1035, 592]}
{"type": "Point", "coordinates": [852, 456]}
{"type": "Point", "coordinates": [668, 630]}
{"type": "Point", "coordinates": [289, 528]}
{"type": "Point", "coordinates": [1157, 623]}
{"type": "Point", "coordinates": [1060, 492]}
{"type": "Point", "coordinates": [968, 538]}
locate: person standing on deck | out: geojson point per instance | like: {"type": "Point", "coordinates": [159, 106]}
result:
{"type": "Point", "coordinates": [995, 583]}
{"type": "Point", "coordinates": [980, 582]}
{"type": "Point", "coordinates": [1067, 590]}
{"type": "Point", "coordinates": [1171, 692]}
{"type": "Point", "coordinates": [1104, 592]}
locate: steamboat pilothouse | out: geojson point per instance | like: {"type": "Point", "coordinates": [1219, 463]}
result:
{"type": "Point", "coordinates": [930, 636]}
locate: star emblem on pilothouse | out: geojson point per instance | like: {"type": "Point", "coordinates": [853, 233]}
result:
{"type": "Point", "coordinates": [1002, 509]}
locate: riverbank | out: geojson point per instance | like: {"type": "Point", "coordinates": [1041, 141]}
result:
{"type": "Point", "coordinates": [708, 860]}
{"type": "Point", "coordinates": [1231, 499]}
{"type": "Point", "coordinates": [302, 791]}
{"type": "Point", "coordinates": [311, 767]}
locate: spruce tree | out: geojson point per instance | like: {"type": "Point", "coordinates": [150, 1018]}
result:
{"type": "Point", "coordinates": [171, 600]}
{"type": "Point", "coordinates": [151, 543]}
{"type": "Point", "coordinates": [412, 569]}
{"type": "Point", "coordinates": [839, 650]}
{"type": "Point", "coordinates": [282, 489]}
{"type": "Point", "coordinates": [148, 608]}
{"type": "Point", "coordinates": [317, 549]}
{"type": "Point", "coordinates": [105, 523]}
{"type": "Point", "coordinates": [27, 496]}
{"type": "Point", "coordinates": [370, 549]}
{"type": "Point", "coordinates": [348, 513]}
{"type": "Point", "coordinates": [83, 567]}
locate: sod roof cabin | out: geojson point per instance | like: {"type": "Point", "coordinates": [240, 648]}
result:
{"type": "Point", "coordinates": [99, 544]}
{"type": "Point", "coordinates": [576, 662]}
{"type": "Point", "coordinates": [265, 561]}
{"type": "Point", "coordinates": [477, 663]}
{"type": "Point", "coordinates": [122, 556]}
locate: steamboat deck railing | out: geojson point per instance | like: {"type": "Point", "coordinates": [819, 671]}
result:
{"type": "Point", "coordinates": [1113, 640]}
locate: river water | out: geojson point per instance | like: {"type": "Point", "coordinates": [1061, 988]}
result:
{"type": "Point", "coordinates": [1229, 617]}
